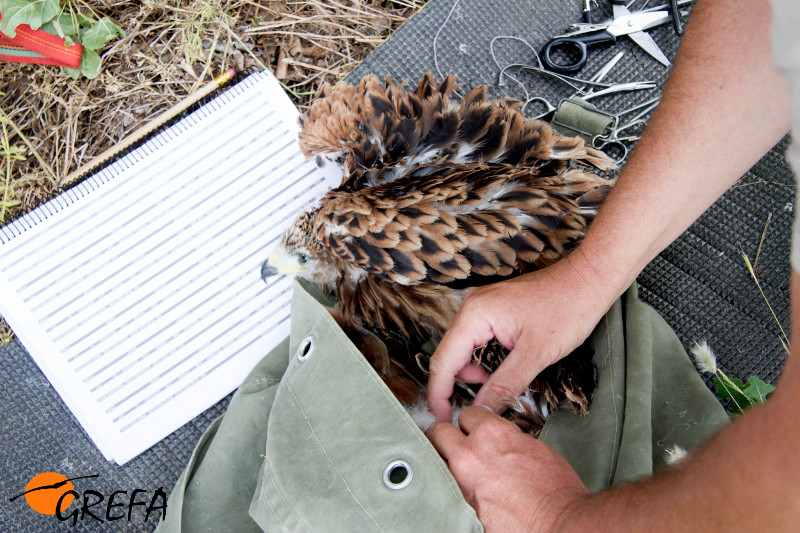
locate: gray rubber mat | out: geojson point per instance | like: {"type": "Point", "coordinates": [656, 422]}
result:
{"type": "Point", "coordinates": [699, 284]}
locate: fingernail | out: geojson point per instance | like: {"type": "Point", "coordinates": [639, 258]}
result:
{"type": "Point", "coordinates": [484, 406]}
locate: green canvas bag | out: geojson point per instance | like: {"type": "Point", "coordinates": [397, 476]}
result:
{"type": "Point", "coordinates": [314, 441]}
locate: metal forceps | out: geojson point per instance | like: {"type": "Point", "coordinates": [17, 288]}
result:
{"type": "Point", "coordinates": [624, 22]}
{"type": "Point", "coordinates": [616, 142]}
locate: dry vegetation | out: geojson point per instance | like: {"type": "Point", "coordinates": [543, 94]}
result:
{"type": "Point", "coordinates": [50, 124]}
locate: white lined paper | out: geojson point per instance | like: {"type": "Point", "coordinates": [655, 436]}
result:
{"type": "Point", "coordinates": [137, 292]}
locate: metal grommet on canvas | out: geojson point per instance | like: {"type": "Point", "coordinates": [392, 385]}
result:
{"type": "Point", "coordinates": [305, 348]}
{"type": "Point", "coordinates": [397, 474]}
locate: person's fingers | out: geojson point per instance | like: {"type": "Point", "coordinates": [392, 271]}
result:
{"type": "Point", "coordinates": [472, 373]}
{"type": "Point", "coordinates": [470, 418]}
{"type": "Point", "coordinates": [445, 437]}
{"type": "Point", "coordinates": [451, 357]}
{"type": "Point", "coordinates": [440, 387]}
{"type": "Point", "coordinates": [511, 378]}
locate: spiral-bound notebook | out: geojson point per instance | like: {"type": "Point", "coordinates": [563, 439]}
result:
{"type": "Point", "coordinates": [137, 291]}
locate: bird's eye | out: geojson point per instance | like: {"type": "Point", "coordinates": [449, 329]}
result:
{"type": "Point", "coordinates": [302, 258]}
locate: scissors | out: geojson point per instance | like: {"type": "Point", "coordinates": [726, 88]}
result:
{"type": "Point", "coordinates": [622, 23]}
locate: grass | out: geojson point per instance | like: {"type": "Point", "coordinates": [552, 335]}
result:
{"type": "Point", "coordinates": [51, 124]}
{"type": "Point", "coordinates": [783, 337]}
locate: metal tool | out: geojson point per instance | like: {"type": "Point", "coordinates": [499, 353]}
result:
{"type": "Point", "coordinates": [587, 11]}
{"type": "Point", "coordinates": [622, 23]}
{"type": "Point", "coordinates": [674, 10]}
{"type": "Point", "coordinates": [590, 89]}
{"type": "Point", "coordinates": [575, 116]}
{"type": "Point", "coordinates": [615, 143]}
{"type": "Point", "coordinates": [573, 82]}
{"type": "Point", "coordinates": [550, 109]}
{"type": "Point", "coordinates": [576, 83]}
{"type": "Point", "coordinates": [676, 17]}
{"type": "Point", "coordinates": [678, 4]}
{"type": "Point", "coordinates": [616, 88]}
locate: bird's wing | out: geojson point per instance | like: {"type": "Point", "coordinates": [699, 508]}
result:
{"type": "Point", "coordinates": [375, 126]}
{"type": "Point", "coordinates": [449, 222]}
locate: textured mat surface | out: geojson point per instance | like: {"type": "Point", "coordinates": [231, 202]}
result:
{"type": "Point", "coordinates": [699, 284]}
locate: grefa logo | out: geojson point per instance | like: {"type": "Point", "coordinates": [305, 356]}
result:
{"type": "Point", "coordinates": [51, 493]}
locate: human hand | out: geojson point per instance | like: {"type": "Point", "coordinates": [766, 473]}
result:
{"type": "Point", "coordinates": [540, 317]}
{"type": "Point", "coordinates": [513, 481]}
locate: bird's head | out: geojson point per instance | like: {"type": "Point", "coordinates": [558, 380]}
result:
{"type": "Point", "coordinates": [283, 262]}
{"type": "Point", "coordinates": [299, 255]}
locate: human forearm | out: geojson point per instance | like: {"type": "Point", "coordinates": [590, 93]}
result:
{"type": "Point", "coordinates": [729, 483]}
{"type": "Point", "coordinates": [745, 477]}
{"type": "Point", "coordinates": [703, 137]}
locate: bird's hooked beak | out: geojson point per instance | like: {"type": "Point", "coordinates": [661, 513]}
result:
{"type": "Point", "coordinates": [267, 270]}
{"type": "Point", "coordinates": [280, 263]}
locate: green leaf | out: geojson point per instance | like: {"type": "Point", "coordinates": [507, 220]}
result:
{"type": "Point", "coordinates": [99, 34]}
{"type": "Point", "coordinates": [89, 67]}
{"type": "Point", "coordinates": [16, 152]}
{"type": "Point", "coordinates": [732, 388]}
{"type": "Point", "coordinates": [63, 25]}
{"type": "Point", "coordinates": [722, 390]}
{"type": "Point", "coordinates": [90, 64]}
{"type": "Point", "coordinates": [34, 13]}
{"type": "Point", "coordinates": [757, 390]}
{"type": "Point", "coordinates": [84, 21]}
{"type": "Point", "coordinates": [73, 72]}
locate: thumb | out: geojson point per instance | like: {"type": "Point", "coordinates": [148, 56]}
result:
{"type": "Point", "coordinates": [511, 378]}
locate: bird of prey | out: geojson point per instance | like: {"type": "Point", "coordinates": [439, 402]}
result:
{"type": "Point", "coordinates": [438, 196]}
